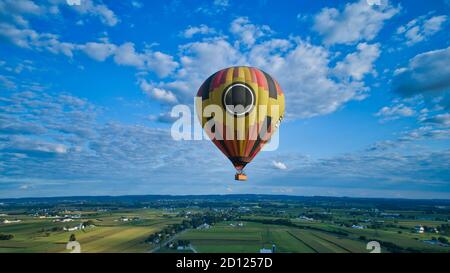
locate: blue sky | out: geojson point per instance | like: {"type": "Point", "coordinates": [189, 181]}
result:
{"type": "Point", "coordinates": [86, 91]}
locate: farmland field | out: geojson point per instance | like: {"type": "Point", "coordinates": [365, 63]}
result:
{"type": "Point", "coordinates": [215, 225]}
{"type": "Point", "coordinates": [106, 235]}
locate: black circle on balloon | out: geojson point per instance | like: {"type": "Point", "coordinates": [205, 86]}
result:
{"type": "Point", "coordinates": [238, 99]}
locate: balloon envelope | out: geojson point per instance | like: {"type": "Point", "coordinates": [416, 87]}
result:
{"type": "Point", "coordinates": [252, 105]}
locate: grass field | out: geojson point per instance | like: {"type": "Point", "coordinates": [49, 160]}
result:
{"type": "Point", "coordinates": [224, 238]}
{"type": "Point", "coordinates": [108, 235]}
{"type": "Point", "coordinates": [120, 229]}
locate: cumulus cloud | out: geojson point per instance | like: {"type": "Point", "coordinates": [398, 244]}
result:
{"type": "Point", "coordinates": [21, 6]}
{"type": "Point", "coordinates": [137, 4]}
{"type": "Point", "coordinates": [162, 64]}
{"type": "Point", "coordinates": [305, 71]}
{"type": "Point", "coordinates": [247, 32]}
{"type": "Point", "coordinates": [279, 165]}
{"type": "Point", "coordinates": [99, 51]}
{"type": "Point", "coordinates": [28, 38]}
{"type": "Point", "coordinates": [194, 30]}
{"type": "Point", "coordinates": [16, 10]}
{"type": "Point", "coordinates": [198, 60]}
{"type": "Point", "coordinates": [221, 3]}
{"type": "Point", "coordinates": [90, 7]}
{"type": "Point", "coordinates": [125, 54]}
{"type": "Point", "coordinates": [395, 112]}
{"type": "Point", "coordinates": [426, 74]}
{"type": "Point", "coordinates": [218, 6]}
{"type": "Point", "coordinates": [439, 119]}
{"type": "Point", "coordinates": [158, 93]}
{"type": "Point", "coordinates": [421, 28]}
{"type": "Point", "coordinates": [359, 63]}
{"type": "Point", "coordinates": [358, 21]}
{"type": "Point", "coordinates": [306, 76]}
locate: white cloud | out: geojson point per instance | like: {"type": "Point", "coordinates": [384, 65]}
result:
{"type": "Point", "coordinates": [247, 32]}
{"type": "Point", "coordinates": [7, 82]}
{"type": "Point", "coordinates": [197, 61]}
{"type": "Point", "coordinates": [24, 187]}
{"type": "Point", "coordinates": [201, 29]}
{"type": "Point", "coordinates": [395, 112]}
{"type": "Point", "coordinates": [89, 7]}
{"type": "Point", "coordinates": [162, 64]}
{"type": "Point", "coordinates": [359, 63]}
{"type": "Point", "coordinates": [158, 93]}
{"type": "Point", "coordinates": [421, 28]}
{"type": "Point", "coordinates": [426, 74]}
{"type": "Point", "coordinates": [29, 38]}
{"type": "Point", "coordinates": [30, 146]}
{"type": "Point", "coordinates": [165, 117]}
{"type": "Point", "coordinates": [99, 51]}
{"type": "Point", "coordinates": [20, 7]}
{"type": "Point", "coordinates": [127, 55]}
{"type": "Point", "coordinates": [137, 4]}
{"type": "Point", "coordinates": [76, 148]}
{"type": "Point", "coordinates": [221, 3]}
{"type": "Point", "coordinates": [17, 9]}
{"type": "Point", "coordinates": [63, 160]}
{"type": "Point", "coordinates": [218, 6]}
{"type": "Point", "coordinates": [302, 69]}
{"type": "Point", "coordinates": [305, 75]}
{"type": "Point", "coordinates": [279, 165]}
{"type": "Point", "coordinates": [440, 119]}
{"type": "Point", "coordinates": [358, 21]}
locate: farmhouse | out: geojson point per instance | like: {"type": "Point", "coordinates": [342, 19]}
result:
{"type": "Point", "coordinates": [240, 224]}
{"type": "Point", "coordinates": [268, 250]}
{"type": "Point", "coordinates": [265, 250]}
{"type": "Point", "coordinates": [79, 227]}
{"type": "Point", "coordinates": [204, 226]}
{"type": "Point", "coordinates": [419, 229]}
{"type": "Point", "coordinates": [305, 218]}
{"type": "Point", "coordinates": [11, 221]}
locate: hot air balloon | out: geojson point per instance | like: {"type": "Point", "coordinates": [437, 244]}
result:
{"type": "Point", "coordinates": [252, 105]}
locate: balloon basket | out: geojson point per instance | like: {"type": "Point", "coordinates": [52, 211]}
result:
{"type": "Point", "coordinates": [240, 177]}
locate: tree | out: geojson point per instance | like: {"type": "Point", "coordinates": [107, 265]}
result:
{"type": "Point", "coordinates": [72, 238]}
{"type": "Point", "coordinates": [5, 237]}
{"type": "Point", "coordinates": [88, 223]}
{"type": "Point", "coordinates": [443, 240]}
{"type": "Point", "coordinates": [444, 229]}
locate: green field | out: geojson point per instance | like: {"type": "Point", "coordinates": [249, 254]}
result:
{"type": "Point", "coordinates": [251, 237]}
{"type": "Point", "coordinates": [108, 235]}
{"type": "Point", "coordinates": [244, 227]}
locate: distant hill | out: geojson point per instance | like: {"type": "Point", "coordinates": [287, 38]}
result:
{"type": "Point", "coordinates": [341, 201]}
